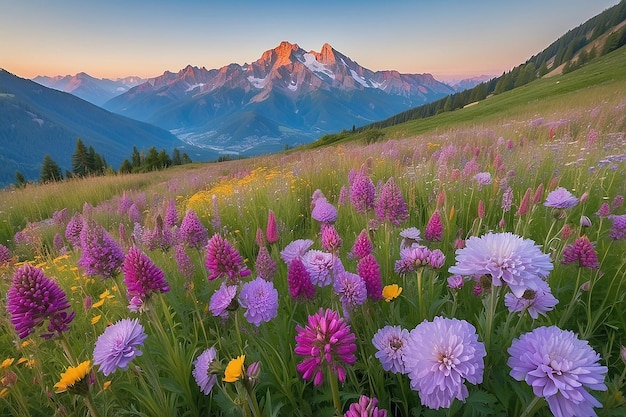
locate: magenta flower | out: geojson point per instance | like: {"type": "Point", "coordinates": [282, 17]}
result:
{"type": "Point", "coordinates": [322, 267]}
{"type": "Point", "coordinates": [440, 356]}
{"type": "Point", "coordinates": [560, 368]}
{"type": "Point", "coordinates": [192, 231]}
{"type": "Point", "coordinates": [298, 281]}
{"type": "Point", "coordinates": [455, 282]}
{"type": "Point", "coordinates": [222, 300]}
{"type": "Point", "coordinates": [295, 249]}
{"type": "Point", "coordinates": [33, 298]}
{"type": "Point", "coordinates": [171, 214]}
{"type": "Point", "coordinates": [118, 345]}
{"type": "Point", "coordinates": [101, 255]}
{"type": "Point", "coordinates": [330, 239]}
{"type": "Point", "coordinates": [271, 233]}
{"type": "Point", "coordinates": [351, 290]}
{"type": "Point", "coordinates": [390, 205]}
{"type": "Point", "coordinates": [202, 370]}
{"type": "Point", "coordinates": [561, 199]}
{"type": "Point", "coordinates": [326, 342]}
{"type": "Point", "coordinates": [524, 205]}
{"type": "Point", "coordinates": [391, 343]}
{"type": "Point", "coordinates": [265, 266]}
{"type": "Point", "coordinates": [362, 246]}
{"type": "Point", "coordinates": [183, 261]}
{"type": "Point", "coordinates": [260, 299]}
{"type": "Point", "coordinates": [369, 270]}
{"type": "Point", "coordinates": [618, 200]}
{"type": "Point", "coordinates": [365, 407]}
{"type": "Point", "coordinates": [141, 276]}
{"type": "Point", "coordinates": [362, 193]}
{"type": "Point", "coordinates": [604, 210]}
{"type": "Point", "coordinates": [618, 231]}
{"type": "Point", "coordinates": [323, 211]}
{"type": "Point", "coordinates": [73, 228]}
{"type": "Point", "coordinates": [535, 302]}
{"type": "Point", "coordinates": [581, 252]}
{"type": "Point", "coordinates": [412, 258]}
{"type": "Point", "coordinates": [434, 228]}
{"type": "Point", "coordinates": [505, 257]}
{"type": "Point", "coordinates": [224, 260]}
{"type": "Point", "coordinates": [436, 259]}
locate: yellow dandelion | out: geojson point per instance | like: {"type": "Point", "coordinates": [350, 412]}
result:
{"type": "Point", "coordinates": [234, 369]}
{"type": "Point", "coordinates": [96, 319]}
{"type": "Point", "coordinates": [98, 303]}
{"type": "Point", "coordinates": [6, 363]}
{"type": "Point", "coordinates": [26, 343]}
{"type": "Point", "coordinates": [72, 377]}
{"type": "Point", "coordinates": [391, 292]}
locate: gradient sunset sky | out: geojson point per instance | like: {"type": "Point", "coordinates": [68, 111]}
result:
{"type": "Point", "coordinates": [117, 38]}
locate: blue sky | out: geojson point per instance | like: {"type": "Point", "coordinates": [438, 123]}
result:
{"type": "Point", "coordinates": [115, 38]}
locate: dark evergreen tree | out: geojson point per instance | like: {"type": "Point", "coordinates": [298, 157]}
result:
{"type": "Point", "coordinates": [164, 160]}
{"type": "Point", "coordinates": [50, 170]}
{"type": "Point", "coordinates": [20, 180]}
{"type": "Point", "coordinates": [176, 157]}
{"type": "Point", "coordinates": [126, 167]}
{"type": "Point", "coordinates": [186, 159]}
{"type": "Point", "coordinates": [80, 159]}
{"type": "Point", "coordinates": [136, 158]}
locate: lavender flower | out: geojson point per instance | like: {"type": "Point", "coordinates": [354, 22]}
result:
{"type": "Point", "coordinates": [411, 258]}
{"type": "Point", "coordinates": [581, 252]}
{"type": "Point", "coordinates": [134, 215]}
{"type": "Point", "coordinates": [118, 345]}
{"type": "Point", "coordinates": [483, 178]}
{"type": "Point", "coordinates": [344, 195]}
{"type": "Point", "coordinates": [604, 210]}
{"type": "Point", "coordinates": [362, 246]}
{"type": "Point", "coordinates": [322, 267]}
{"type": "Point", "coordinates": [436, 259]}
{"type": "Point", "coordinates": [295, 249]}
{"type": "Point", "coordinates": [73, 228]}
{"type": "Point", "coordinates": [33, 298]}
{"type": "Point", "coordinates": [265, 266]}
{"type": "Point", "coordinates": [362, 193]}
{"type": "Point", "coordinates": [559, 367]}
{"type": "Point", "coordinates": [561, 199]}
{"type": "Point", "coordinates": [183, 261]}
{"type": "Point", "coordinates": [535, 302]}
{"type": "Point", "coordinates": [141, 276]}
{"type": "Point", "coordinates": [391, 343]}
{"type": "Point", "coordinates": [410, 237]}
{"type": "Point", "coordinates": [507, 199]}
{"type": "Point", "coordinates": [390, 205]}
{"type": "Point", "coordinates": [101, 255]}
{"type": "Point", "coordinates": [326, 342]}
{"type": "Point", "coordinates": [434, 228]}
{"type": "Point", "coordinates": [618, 200]}
{"type": "Point", "coordinates": [192, 231]}
{"type": "Point", "coordinates": [323, 211]}
{"type": "Point", "coordinates": [260, 299]}
{"type": "Point", "coordinates": [202, 370]}
{"type": "Point", "coordinates": [455, 282]}
{"type": "Point", "coordinates": [505, 257]}
{"type": "Point", "coordinates": [369, 270]}
{"type": "Point", "coordinates": [171, 214]}
{"type": "Point", "coordinates": [298, 281]}
{"type": "Point", "coordinates": [5, 255]}
{"type": "Point", "coordinates": [440, 356]}
{"type": "Point", "coordinates": [618, 230]}
{"type": "Point", "coordinates": [224, 260]}
{"type": "Point", "coordinates": [365, 407]}
{"type": "Point", "coordinates": [222, 300]}
{"type": "Point", "coordinates": [351, 290]}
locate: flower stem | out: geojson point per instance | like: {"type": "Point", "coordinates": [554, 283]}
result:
{"type": "Point", "coordinates": [69, 353]}
{"type": "Point", "coordinates": [530, 409]}
{"type": "Point", "coordinates": [93, 411]}
{"type": "Point", "coordinates": [490, 315]}
{"type": "Point", "coordinates": [420, 295]}
{"type": "Point", "coordinates": [572, 303]}
{"type": "Point", "coordinates": [334, 388]}
{"type": "Point", "coordinates": [252, 402]}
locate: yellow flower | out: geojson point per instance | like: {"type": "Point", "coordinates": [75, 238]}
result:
{"type": "Point", "coordinates": [26, 342]}
{"type": "Point", "coordinates": [234, 369]}
{"type": "Point", "coordinates": [106, 385]}
{"type": "Point", "coordinates": [96, 319]}
{"type": "Point", "coordinates": [4, 392]}
{"type": "Point", "coordinates": [73, 376]}
{"type": "Point", "coordinates": [6, 363]}
{"type": "Point", "coordinates": [391, 292]}
{"type": "Point", "coordinates": [98, 303]}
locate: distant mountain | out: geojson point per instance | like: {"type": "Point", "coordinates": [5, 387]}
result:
{"type": "Point", "coordinates": [467, 83]}
{"type": "Point", "coordinates": [94, 90]}
{"type": "Point", "coordinates": [287, 97]}
{"type": "Point", "coordinates": [36, 120]}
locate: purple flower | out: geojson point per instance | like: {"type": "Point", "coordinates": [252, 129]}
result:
{"type": "Point", "coordinates": [362, 193]}
{"type": "Point", "coordinates": [171, 214]}
{"type": "Point", "coordinates": [192, 231]}
{"type": "Point", "coordinates": [141, 276]}
{"type": "Point", "coordinates": [365, 407]}
{"type": "Point", "coordinates": [295, 249]}
{"type": "Point", "coordinates": [183, 261]}
{"type": "Point", "coordinates": [331, 241]}
{"type": "Point", "coordinates": [5, 255]}
{"type": "Point", "coordinates": [436, 259]}
{"type": "Point", "coordinates": [325, 342]}
{"type": "Point", "coordinates": [362, 246]}
{"type": "Point", "coordinates": [101, 255]}
{"type": "Point", "coordinates": [265, 266]}
{"type": "Point", "coordinates": [73, 228]}
{"type": "Point", "coordinates": [410, 237]}
{"type": "Point", "coordinates": [618, 231]}
{"type": "Point", "coordinates": [351, 290]}
{"type": "Point", "coordinates": [134, 215]}
{"type": "Point", "coordinates": [536, 302]}
{"type": "Point", "coordinates": [260, 299]}
{"type": "Point", "coordinates": [271, 233]}
{"type": "Point", "coordinates": [322, 267]}
{"type": "Point", "coordinates": [455, 282]}
{"type": "Point", "coordinates": [507, 199]}
{"type": "Point", "coordinates": [559, 367]}
{"type": "Point", "coordinates": [299, 282]}
{"type": "Point", "coordinates": [33, 298]}
{"type": "Point", "coordinates": [604, 210]}
{"type": "Point", "coordinates": [323, 211]}
{"type": "Point", "coordinates": [440, 356]}
{"type": "Point", "coordinates": [483, 178]}
{"type": "Point", "coordinates": [581, 252]}
{"type": "Point", "coordinates": [390, 205]}
{"type": "Point", "coordinates": [118, 345]}
{"type": "Point", "coordinates": [369, 270]}
{"type": "Point", "coordinates": [560, 198]}
{"type": "Point", "coordinates": [391, 343]}
{"type": "Point", "coordinates": [411, 258]}
{"type": "Point", "coordinates": [618, 200]}
{"type": "Point", "coordinates": [222, 300]}
{"type": "Point", "coordinates": [224, 260]}
{"type": "Point", "coordinates": [344, 195]}
{"type": "Point", "coordinates": [434, 228]}
{"type": "Point", "coordinates": [61, 217]}
{"type": "Point", "coordinates": [202, 370]}
{"type": "Point", "coordinates": [505, 257]}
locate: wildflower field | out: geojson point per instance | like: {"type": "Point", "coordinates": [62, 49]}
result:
{"type": "Point", "coordinates": [477, 269]}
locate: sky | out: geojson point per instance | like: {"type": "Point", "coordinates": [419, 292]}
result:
{"type": "Point", "coordinates": [451, 39]}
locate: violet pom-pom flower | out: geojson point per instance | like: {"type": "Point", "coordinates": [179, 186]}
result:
{"type": "Point", "coordinates": [434, 228]}
{"type": "Point", "coordinates": [505, 257]}
{"type": "Point", "coordinates": [411, 258]}
{"type": "Point", "coordinates": [322, 267]}
{"type": "Point", "coordinates": [298, 281]}
{"type": "Point", "coordinates": [362, 246]}
{"type": "Point", "coordinates": [141, 276]}
{"type": "Point", "coordinates": [101, 255]}
{"type": "Point", "coordinates": [326, 342]}
{"type": "Point", "coordinates": [535, 302]}
{"type": "Point", "coordinates": [118, 345]}
{"type": "Point", "coordinates": [202, 370]}
{"type": "Point", "coordinates": [365, 407]}
{"type": "Point", "coordinates": [5, 255]}
{"type": "Point", "coordinates": [561, 199]}
{"type": "Point", "coordinates": [260, 299]}
{"type": "Point", "coordinates": [618, 230]}
{"type": "Point", "coordinates": [581, 252]}
{"type": "Point", "coordinates": [33, 298]}
{"type": "Point", "coordinates": [362, 193]}
{"type": "Point", "coordinates": [391, 343]}
{"type": "Point", "coordinates": [351, 290]}
{"type": "Point", "coordinates": [295, 249]}
{"type": "Point", "coordinates": [222, 300]}
{"type": "Point", "coordinates": [560, 368]}
{"type": "Point", "coordinates": [390, 205]}
{"type": "Point", "coordinates": [440, 356]}
{"type": "Point", "coordinates": [369, 270]}
{"type": "Point", "coordinates": [323, 211]}
{"type": "Point", "coordinates": [192, 231]}
{"type": "Point", "coordinates": [224, 260]}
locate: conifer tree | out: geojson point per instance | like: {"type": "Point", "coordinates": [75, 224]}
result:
{"type": "Point", "coordinates": [80, 159]}
{"type": "Point", "coordinates": [50, 170]}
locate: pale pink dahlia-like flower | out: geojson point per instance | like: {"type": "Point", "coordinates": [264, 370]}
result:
{"type": "Point", "coordinates": [560, 198]}
{"type": "Point", "coordinates": [505, 257]}
{"type": "Point", "coordinates": [391, 343]}
{"type": "Point", "coordinates": [535, 302]}
{"type": "Point", "coordinates": [560, 368]}
{"type": "Point", "coordinates": [440, 356]}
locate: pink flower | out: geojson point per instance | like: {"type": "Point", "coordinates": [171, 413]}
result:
{"type": "Point", "coordinates": [272, 231]}
{"type": "Point", "coordinates": [224, 260]}
{"type": "Point", "coordinates": [434, 228]}
{"type": "Point", "coordinates": [582, 253]}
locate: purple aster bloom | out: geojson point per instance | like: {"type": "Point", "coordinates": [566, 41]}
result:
{"type": "Point", "coordinates": [362, 193]}
{"type": "Point", "coordinates": [455, 282]}
{"type": "Point", "coordinates": [325, 342]}
{"type": "Point", "coordinates": [483, 178]}
{"type": "Point", "coordinates": [192, 231]}
{"type": "Point", "coordinates": [618, 200]}
{"type": "Point", "coordinates": [536, 302]}
{"type": "Point", "coordinates": [581, 252]}
{"type": "Point", "coordinates": [369, 270]}
{"type": "Point", "coordinates": [505, 257]}
{"type": "Point", "coordinates": [440, 356]}
{"type": "Point", "coordinates": [560, 368]}
{"type": "Point", "coordinates": [507, 199]}
{"type": "Point", "coordinates": [322, 267]}
{"type": "Point", "coordinates": [222, 300]}
{"type": "Point", "coordinates": [365, 407]}
{"type": "Point", "coordinates": [604, 210]}
{"type": "Point", "coordinates": [5, 255]}
{"type": "Point", "coordinates": [118, 345]}
{"type": "Point", "coordinates": [265, 266]}
{"type": "Point", "coordinates": [202, 370]}
{"type": "Point", "coordinates": [410, 237]}
{"type": "Point", "coordinates": [295, 249]}
{"type": "Point", "coordinates": [560, 198]}
{"type": "Point", "coordinates": [434, 228]}
{"type": "Point", "coordinates": [183, 261]}
{"type": "Point", "coordinates": [134, 214]}
{"type": "Point", "coordinates": [33, 298]}
{"type": "Point", "coordinates": [73, 228]}
{"type": "Point", "coordinates": [436, 259]}
{"type": "Point", "coordinates": [351, 290]}
{"type": "Point", "coordinates": [618, 231]}
{"type": "Point", "coordinates": [391, 343]}
{"type": "Point", "coordinates": [323, 211]}
{"type": "Point", "coordinates": [411, 258]}
{"type": "Point", "coordinates": [141, 276]}
{"type": "Point", "coordinates": [362, 246]}
{"type": "Point", "coordinates": [260, 299]}
{"type": "Point", "coordinates": [222, 259]}
{"type": "Point", "coordinates": [299, 282]}
{"type": "Point", "coordinates": [171, 214]}
{"type": "Point", "coordinates": [330, 239]}
{"type": "Point", "coordinates": [390, 205]}
{"type": "Point", "coordinates": [101, 255]}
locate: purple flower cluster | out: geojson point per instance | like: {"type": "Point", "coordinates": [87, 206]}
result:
{"type": "Point", "coordinates": [101, 255]}
{"type": "Point", "coordinates": [265, 266]}
{"type": "Point", "coordinates": [222, 259]}
{"type": "Point", "coordinates": [351, 290]}
{"type": "Point", "coordinates": [73, 228]}
{"type": "Point", "coordinates": [434, 228]}
{"type": "Point", "coordinates": [582, 253]}
{"type": "Point", "coordinates": [5, 255]}
{"type": "Point", "coordinates": [365, 407]}
{"type": "Point", "coordinates": [299, 281]}
{"type": "Point", "coordinates": [561, 199]}
{"type": "Point", "coordinates": [362, 246]}
{"type": "Point", "coordinates": [260, 299]}
{"type": "Point", "coordinates": [142, 277]}
{"type": "Point", "coordinates": [369, 270]}
{"type": "Point", "coordinates": [118, 345]}
{"type": "Point", "coordinates": [391, 343]}
{"type": "Point", "coordinates": [322, 267]}
{"type": "Point", "coordinates": [362, 193]}
{"type": "Point", "coordinates": [390, 205]}
{"type": "Point", "coordinates": [192, 231]}
{"type": "Point", "coordinates": [323, 211]}
{"type": "Point", "coordinates": [618, 230]}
